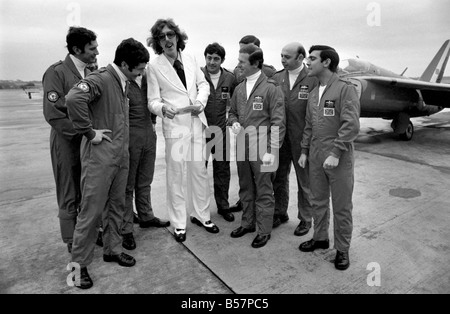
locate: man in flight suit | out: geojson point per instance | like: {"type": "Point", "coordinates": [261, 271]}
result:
{"type": "Point", "coordinates": [268, 70]}
{"type": "Point", "coordinates": [332, 124]}
{"type": "Point", "coordinates": [64, 140]}
{"type": "Point", "coordinates": [257, 113]}
{"type": "Point", "coordinates": [98, 108]}
{"type": "Point", "coordinates": [222, 84]}
{"type": "Point", "coordinates": [296, 86]}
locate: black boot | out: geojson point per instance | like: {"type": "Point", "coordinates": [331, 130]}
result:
{"type": "Point", "coordinates": [85, 280]}
{"type": "Point", "coordinates": [342, 261]}
{"type": "Point", "coordinates": [128, 241]}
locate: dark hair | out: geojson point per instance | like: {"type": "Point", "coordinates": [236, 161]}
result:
{"type": "Point", "coordinates": [156, 30]}
{"type": "Point", "coordinates": [215, 48]}
{"type": "Point", "coordinates": [327, 52]}
{"type": "Point", "coordinates": [255, 54]}
{"type": "Point", "coordinates": [132, 52]}
{"type": "Point", "coordinates": [301, 51]}
{"type": "Point", "coordinates": [250, 39]}
{"type": "Point", "coordinates": [79, 37]}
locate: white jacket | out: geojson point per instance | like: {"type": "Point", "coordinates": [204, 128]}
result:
{"type": "Point", "coordinates": [166, 88]}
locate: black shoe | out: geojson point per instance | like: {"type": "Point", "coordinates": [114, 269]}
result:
{"type": "Point", "coordinates": [69, 247]}
{"type": "Point", "coordinates": [342, 260]}
{"type": "Point", "coordinates": [302, 228]}
{"type": "Point", "coordinates": [122, 259]}
{"type": "Point", "coordinates": [180, 235]}
{"type": "Point", "coordinates": [136, 219]}
{"type": "Point", "coordinates": [260, 241]}
{"type": "Point", "coordinates": [99, 241]}
{"type": "Point", "coordinates": [209, 225]}
{"type": "Point", "coordinates": [283, 218]}
{"type": "Point", "coordinates": [279, 219]}
{"type": "Point", "coordinates": [128, 241]}
{"type": "Point", "coordinates": [311, 245]}
{"type": "Point", "coordinates": [225, 213]}
{"type": "Point", "coordinates": [276, 222]}
{"type": "Point", "coordinates": [241, 231]}
{"type": "Point", "coordinates": [155, 222]}
{"type": "Point", "coordinates": [237, 207]}
{"type": "Point", "coordinates": [85, 280]}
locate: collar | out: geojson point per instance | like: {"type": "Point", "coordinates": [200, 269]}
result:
{"type": "Point", "coordinates": [215, 76]}
{"type": "Point", "coordinates": [297, 70]}
{"type": "Point", "coordinates": [123, 78]}
{"type": "Point", "coordinates": [254, 77]}
{"type": "Point", "coordinates": [171, 60]}
{"type": "Point", "coordinates": [139, 80]}
{"type": "Point", "coordinates": [80, 65]}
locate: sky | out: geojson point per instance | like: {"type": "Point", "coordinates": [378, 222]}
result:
{"type": "Point", "coordinates": [393, 34]}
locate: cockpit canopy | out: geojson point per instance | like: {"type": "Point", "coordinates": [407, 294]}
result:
{"type": "Point", "coordinates": [353, 66]}
{"type": "Point", "coordinates": [358, 67]}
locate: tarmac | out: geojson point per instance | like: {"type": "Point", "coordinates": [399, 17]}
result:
{"type": "Point", "coordinates": [401, 236]}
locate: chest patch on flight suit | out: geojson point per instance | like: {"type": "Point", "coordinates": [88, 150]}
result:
{"type": "Point", "coordinates": [225, 93]}
{"type": "Point", "coordinates": [83, 86]}
{"type": "Point", "coordinates": [258, 103]}
{"type": "Point", "coordinates": [304, 93]}
{"type": "Point", "coordinates": [52, 96]}
{"type": "Point", "coordinates": [329, 108]}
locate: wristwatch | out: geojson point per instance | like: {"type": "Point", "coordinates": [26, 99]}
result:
{"type": "Point", "coordinates": [163, 109]}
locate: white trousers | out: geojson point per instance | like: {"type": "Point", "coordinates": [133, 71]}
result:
{"type": "Point", "coordinates": [188, 190]}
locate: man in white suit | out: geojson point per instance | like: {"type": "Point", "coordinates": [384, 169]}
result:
{"type": "Point", "coordinates": [178, 93]}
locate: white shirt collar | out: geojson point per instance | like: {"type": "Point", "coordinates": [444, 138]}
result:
{"type": "Point", "coordinates": [138, 80]}
{"type": "Point", "coordinates": [171, 60]}
{"type": "Point", "coordinates": [80, 65]}
{"type": "Point", "coordinates": [215, 76]}
{"type": "Point", "coordinates": [254, 77]}
{"type": "Point", "coordinates": [123, 78]}
{"type": "Point", "coordinates": [251, 82]}
{"type": "Point", "coordinates": [297, 71]}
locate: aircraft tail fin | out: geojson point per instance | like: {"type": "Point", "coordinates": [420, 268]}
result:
{"type": "Point", "coordinates": [435, 70]}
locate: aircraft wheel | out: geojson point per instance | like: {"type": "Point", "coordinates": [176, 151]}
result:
{"type": "Point", "coordinates": [408, 135]}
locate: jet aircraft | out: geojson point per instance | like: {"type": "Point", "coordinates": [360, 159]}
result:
{"type": "Point", "coordinates": [384, 94]}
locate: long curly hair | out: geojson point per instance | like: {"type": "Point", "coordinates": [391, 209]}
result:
{"type": "Point", "coordinates": [156, 30]}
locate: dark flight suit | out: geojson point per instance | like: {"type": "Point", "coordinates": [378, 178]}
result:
{"type": "Point", "coordinates": [296, 101]}
{"type": "Point", "coordinates": [142, 148]}
{"type": "Point", "coordinates": [331, 128]}
{"type": "Point", "coordinates": [99, 102]}
{"type": "Point", "coordinates": [64, 143]}
{"type": "Point", "coordinates": [216, 115]}
{"type": "Point", "coordinates": [268, 70]}
{"type": "Point", "coordinates": [264, 108]}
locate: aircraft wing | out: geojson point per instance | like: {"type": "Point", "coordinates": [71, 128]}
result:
{"type": "Point", "coordinates": [435, 94]}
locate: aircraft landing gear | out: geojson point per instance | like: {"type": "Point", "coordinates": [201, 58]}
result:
{"type": "Point", "coordinates": [403, 126]}
{"type": "Point", "coordinates": [407, 136]}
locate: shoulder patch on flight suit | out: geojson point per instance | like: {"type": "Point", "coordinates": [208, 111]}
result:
{"type": "Point", "coordinates": [328, 108]}
{"type": "Point", "coordinates": [52, 96]}
{"type": "Point", "coordinates": [83, 86]}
